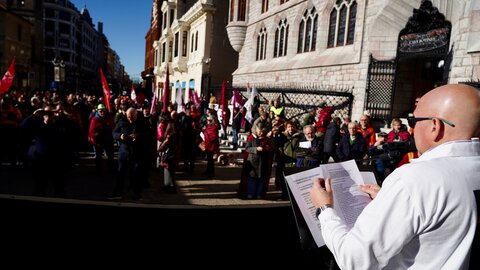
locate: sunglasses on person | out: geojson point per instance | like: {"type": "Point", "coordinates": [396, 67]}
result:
{"type": "Point", "coordinates": [413, 120]}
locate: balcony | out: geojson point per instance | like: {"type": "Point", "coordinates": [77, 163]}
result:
{"type": "Point", "coordinates": [236, 34]}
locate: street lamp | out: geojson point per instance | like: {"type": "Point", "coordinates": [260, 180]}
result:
{"type": "Point", "coordinates": [58, 70]}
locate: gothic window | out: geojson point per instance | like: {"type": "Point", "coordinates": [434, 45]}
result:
{"type": "Point", "coordinates": [341, 29]}
{"type": "Point", "coordinates": [281, 39]}
{"type": "Point", "coordinates": [242, 9]}
{"type": "Point", "coordinates": [307, 31]}
{"type": "Point", "coordinates": [261, 44]}
{"type": "Point", "coordinates": [283, 1]}
{"type": "Point", "coordinates": [264, 6]}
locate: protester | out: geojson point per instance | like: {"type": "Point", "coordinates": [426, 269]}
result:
{"type": "Point", "coordinates": [100, 136]}
{"type": "Point", "coordinates": [133, 157]}
{"type": "Point", "coordinates": [425, 214]}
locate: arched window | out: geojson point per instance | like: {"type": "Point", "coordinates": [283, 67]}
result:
{"type": "Point", "coordinates": [261, 44]}
{"type": "Point", "coordinates": [341, 29]}
{"type": "Point", "coordinates": [307, 31]}
{"type": "Point", "coordinates": [281, 39]}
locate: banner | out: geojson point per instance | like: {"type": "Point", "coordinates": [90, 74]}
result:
{"type": "Point", "coordinates": [153, 107]}
{"type": "Point", "coordinates": [249, 104]}
{"type": "Point", "coordinates": [106, 91]}
{"type": "Point", "coordinates": [224, 105]}
{"type": "Point", "coordinates": [7, 79]}
{"type": "Point", "coordinates": [133, 95]}
{"type": "Point", "coordinates": [166, 93]}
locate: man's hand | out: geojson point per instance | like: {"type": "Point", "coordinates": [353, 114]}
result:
{"type": "Point", "coordinates": [370, 189]}
{"type": "Point", "coordinates": [321, 192]}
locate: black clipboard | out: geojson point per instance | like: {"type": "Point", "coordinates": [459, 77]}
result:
{"type": "Point", "coordinates": [305, 236]}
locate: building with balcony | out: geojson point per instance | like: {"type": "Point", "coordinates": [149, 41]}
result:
{"type": "Point", "coordinates": [153, 34]}
{"type": "Point", "coordinates": [193, 43]}
{"type": "Point", "coordinates": [388, 52]}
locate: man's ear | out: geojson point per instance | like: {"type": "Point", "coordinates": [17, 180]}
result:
{"type": "Point", "coordinates": [437, 129]}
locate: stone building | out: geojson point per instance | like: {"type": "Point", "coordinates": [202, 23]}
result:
{"type": "Point", "coordinates": [194, 45]}
{"type": "Point", "coordinates": [387, 51]}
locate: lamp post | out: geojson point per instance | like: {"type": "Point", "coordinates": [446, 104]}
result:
{"type": "Point", "coordinates": [58, 71]}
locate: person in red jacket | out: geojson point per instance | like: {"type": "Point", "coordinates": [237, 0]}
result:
{"type": "Point", "coordinates": [324, 118]}
{"type": "Point", "coordinates": [367, 130]}
{"type": "Point", "coordinates": [399, 132]}
{"type": "Point", "coordinates": [100, 136]}
{"type": "Point", "coordinates": [212, 145]}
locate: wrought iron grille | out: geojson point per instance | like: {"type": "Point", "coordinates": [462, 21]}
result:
{"type": "Point", "coordinates": [380, 88]}
{"type": "Point", "coordinates": [299, 100]}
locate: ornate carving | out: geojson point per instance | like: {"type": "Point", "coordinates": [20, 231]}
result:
{"type": "Point", "coordinates": [426, 18]}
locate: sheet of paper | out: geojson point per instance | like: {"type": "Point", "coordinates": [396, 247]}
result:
{"type": "Point", "coordinates": [300, 185]}
{"type": "Point", "coordinates": [349, 201]}
{"type": "Point", "coordinates": [305, 144]}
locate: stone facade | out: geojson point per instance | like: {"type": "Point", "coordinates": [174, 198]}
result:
{"type": "Point", "coordinates": [377, 27]}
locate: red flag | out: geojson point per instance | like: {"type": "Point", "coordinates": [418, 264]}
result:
{"type": "Point", "coordinates": [7, 79]}
{"type": "Point", "coordinates": [166, 93]}
{"type": "Point", "coordinates": [223, 104]}
{"type": "Point", "coordinates": [237, 99]}
{"type": "Point", "coordinates": [106, 91]}
{"type": "Point", "coordinates": [196, 99]}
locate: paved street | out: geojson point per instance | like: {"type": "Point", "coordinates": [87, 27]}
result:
{"type": "Point", "coordinates": [205, 222]}
{"type": "Point", "coordinates": [84, 183]}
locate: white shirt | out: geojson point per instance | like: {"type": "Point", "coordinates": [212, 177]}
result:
{"type": "Point", "coordinates": [424, 217]}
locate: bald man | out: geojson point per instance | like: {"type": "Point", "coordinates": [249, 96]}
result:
{"type": "Point", "coordinates": [425, 214]}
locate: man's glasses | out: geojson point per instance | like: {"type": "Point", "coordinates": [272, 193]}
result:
{"type": "Point", "coordinates": [413, 120]}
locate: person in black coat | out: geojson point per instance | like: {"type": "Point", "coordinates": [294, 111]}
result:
{"type": "Point", "coordinates": [133, 154]}
{"type": "Point", "coordinates": [331, 140]}
{"type": "Point", "coordinates": [352, 146]}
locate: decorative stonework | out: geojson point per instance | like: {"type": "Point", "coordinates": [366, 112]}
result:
{"type": "Point", "coordinates": [236, 34]}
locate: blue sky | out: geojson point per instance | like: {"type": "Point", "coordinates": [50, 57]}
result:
{"type": "Point", "coordinates": [125, 24]}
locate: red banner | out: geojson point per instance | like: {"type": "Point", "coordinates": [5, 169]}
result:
{"type": "Point", "coordinates": [166, 93]}
{"type": "Point", "coordinates": [223, 104]}
{"type": "Point", "coordinates": [7, 79]}
{"type": "Point", "coordinates": [106, 91]}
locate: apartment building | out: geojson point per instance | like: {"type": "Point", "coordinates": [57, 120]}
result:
{"type": "Point", "coordinates": [194, 45]}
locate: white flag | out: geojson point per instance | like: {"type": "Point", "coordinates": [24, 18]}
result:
{"type": "Point", "coordinates": [179, 99]}
{"type": "Point", "coordinates": [133, 95]}
{"type": "Point", "coordinates": [248, 105]}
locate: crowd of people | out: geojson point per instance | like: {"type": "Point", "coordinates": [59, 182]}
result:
{"type": "Point", "coordinates": [165, 139]}
{"type": "Point", "coordinates": [422, 215]}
